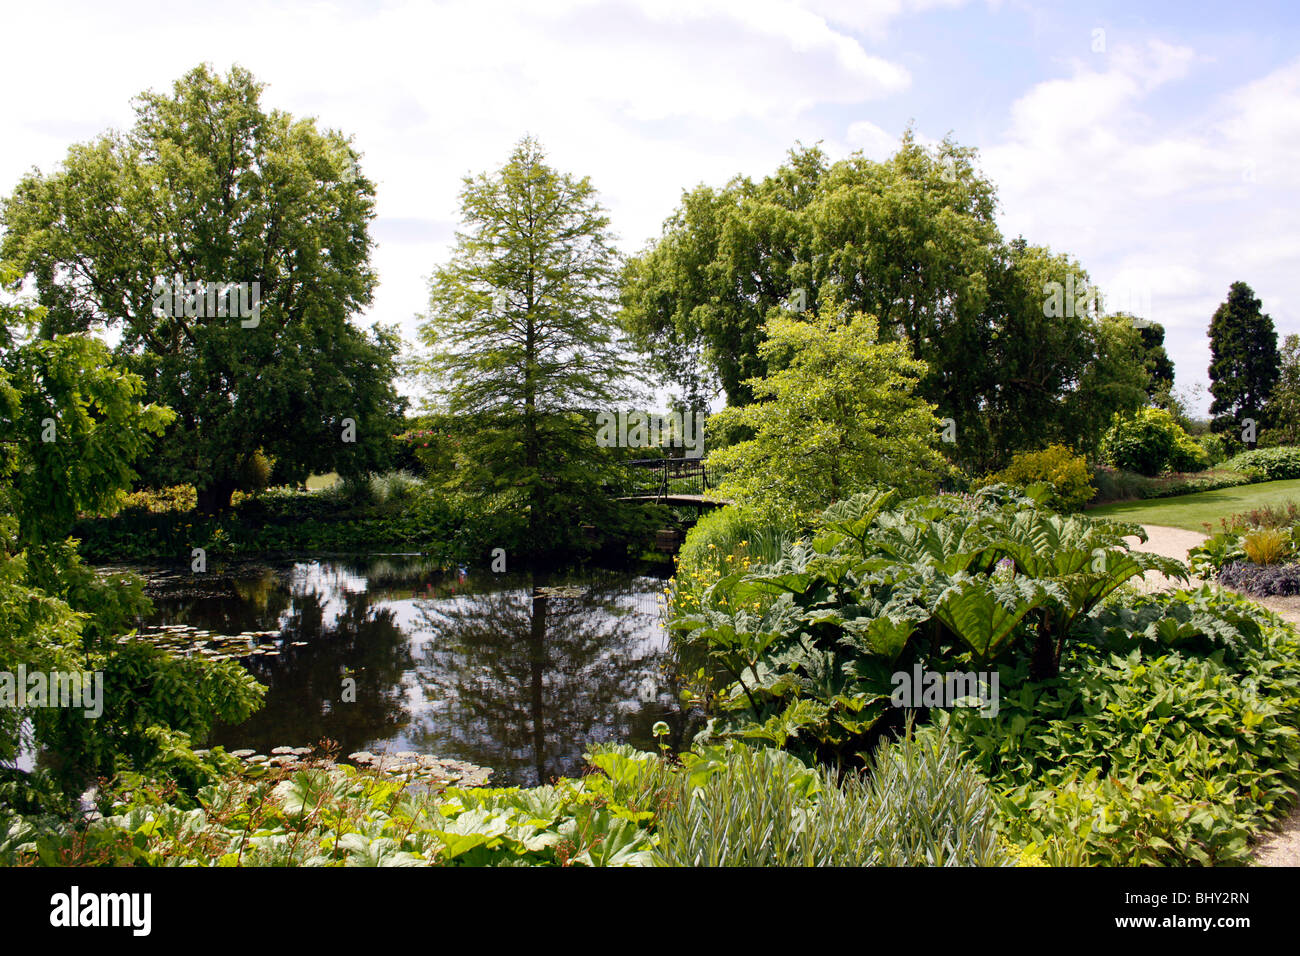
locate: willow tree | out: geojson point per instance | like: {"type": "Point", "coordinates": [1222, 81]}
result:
{"type": "Point", "coordinates": [912, 241]}
{"type": "Point", "coordinates": [522, 337]}
{"type": "Point", "coordinates": [210, 189]}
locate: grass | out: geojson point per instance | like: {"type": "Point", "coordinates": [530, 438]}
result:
{"type": "Point", "coordinates": [1194, 512]}
{"type": "Point", "coordinates": [317, 482]}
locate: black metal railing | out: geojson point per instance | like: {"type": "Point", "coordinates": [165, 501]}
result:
{"type": "Point", "coordinates": [663, 477]}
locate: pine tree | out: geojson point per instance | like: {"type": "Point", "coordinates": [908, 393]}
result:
{"type": "Point", "coordinates": [1243, 360]}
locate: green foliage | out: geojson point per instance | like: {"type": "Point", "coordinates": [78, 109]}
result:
{"type": "Point", "coordinates": [1244, 361]}
{"type": "Point", "coordinates": [741, 806]}
{"type": "Point", "coordinates": [731, 533]}
{"type": "Point", "coordinates": [1283, 411]}
{"type": "Point", "coordinates": [1267, 464]}
{"type": "Point", "coordinates": [912, 241]}
{"type": "Point", "coordinates": [74, 425]}
{"type": "Point", "coordinates": [835, 416]}
{"type": "Point", "coordinates": [1065, 473]}
{"type": "Point", "coordinates": [801, 652]}
{"type": "Point", "coordinates": [1215, 447]}
{"type": "Point", "coordinates": [337, 816]}
{"type": "Point", "coordinates": [160, 500]}
{"type": "Point", "coordinates": [1171, 737]}
{"type": "Point", "coordinates": [391, 511]}
{"type": "Point", "coordinates": [74, 432]}
{"type": "Point", "coordinates": [208, 186]}
{"type": "Point", "coordinates": [732, 806]}
{"type": "Point", "coordinates": [1208, 558]}
{"type": "Point", "coordinates": [1172, 486]}
{"type": "Point", "coordinates": [1168, 732]}
{"type": "Point", "coordinates": [1151, 442]}
{"type": "Point", "coordinates": [1115, 484]}
{"type": "Point", "coordinates": [523, 341]}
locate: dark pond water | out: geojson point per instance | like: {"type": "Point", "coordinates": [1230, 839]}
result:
{"type": "Point", "coordinates": [517, 673]}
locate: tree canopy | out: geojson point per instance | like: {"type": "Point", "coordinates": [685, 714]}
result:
{"type": "Point", "coordinates": [1243, 359]}
{"type": "Point", "coordinates": [522, 336]}
{"type": "Point", "coordinates": [209, 190]}
{"type": "Point", "coordinates": [912, 241]}
{"type": "Point", "coordinates": [72, 428]}
{"type": "Point", "coordinates": [836, 414]}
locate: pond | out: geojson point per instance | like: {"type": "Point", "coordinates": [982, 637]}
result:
{"type": "Point", "coordinates": [518, 673]}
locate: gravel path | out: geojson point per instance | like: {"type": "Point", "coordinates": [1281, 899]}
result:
{"type": "Point", "coordinates": [1282, 847]}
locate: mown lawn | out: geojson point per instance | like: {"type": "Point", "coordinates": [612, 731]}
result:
{"type": "Point", "coordinates": [1193, 512]}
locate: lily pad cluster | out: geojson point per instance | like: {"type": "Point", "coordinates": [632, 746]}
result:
{"type": "Point", "coordinates": [187, 640]}
{"type": "Point", "coordinates": [406, 766]}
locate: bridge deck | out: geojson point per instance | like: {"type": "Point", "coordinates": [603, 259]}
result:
{"type": "Point", "coordinates": [699, 501]}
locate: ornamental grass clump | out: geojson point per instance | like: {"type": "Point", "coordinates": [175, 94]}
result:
{"type": "Point", "coordinates": [1266, 546]}
{"type": "Point", "coordinates": [921, 805]}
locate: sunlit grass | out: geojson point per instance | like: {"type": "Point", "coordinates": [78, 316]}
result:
{"type": "Point", "coordinates": [1194, 512]}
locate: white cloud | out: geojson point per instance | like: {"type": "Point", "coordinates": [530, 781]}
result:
{"type": "Point", "coordinates": [1158, 210]}
{"type": "Point", "coordinates": [649, 97]}
{"type": "Point", "coordinates": [646, 96]}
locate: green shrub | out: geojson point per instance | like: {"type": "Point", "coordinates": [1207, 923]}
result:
{"type": "Point", "coordinates": [801, 652]}
{"type": "Point", "coordinates": [160, 500]}
{"type": "Point", "coordinates": [733, 805]}
{"type": "Point", "coordinates": [395, 491]}
{"type": "Point", "coordinates": [1170, 486]}
{"type": "Point", "coordinates": [1115, 484]}
{"type": "Point", "coordinates": [1151, 442]}
{"type": "Point", "coordinates": [1215, 447]}
{"type": "Point", "coordinates": [1170, 739]}
{"type": "Point", "coordinates": [1163, 732]}
{"type": "Point", "coordinates": [731, 532]}
{"type": "Point", "coordinates": [1209, 557]}
{"type": "Point", "coordinates": [741, 806]}
{"type": "Point", "coordinates": [1056, 466]}
{"type": "Point", "coordinates": [1271, 464]}
{"type": "Point", "coordinates": [1188, 455]}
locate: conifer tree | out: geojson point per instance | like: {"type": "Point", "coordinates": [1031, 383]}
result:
{"type": "Point", "coordinates": [1243, 360]}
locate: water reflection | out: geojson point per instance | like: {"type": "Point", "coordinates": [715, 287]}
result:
{"type": "Point", "coordinates": [517, 673]}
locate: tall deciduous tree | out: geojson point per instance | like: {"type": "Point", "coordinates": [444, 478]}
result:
{"type": "Point", "coordinates": [522, 335]}
{"type": "Point", "coordinates": [209, 187]}
{"type": "Point", "coordinates": [1055, 369]}
{"type": "Point", "coordinates": [1243, 360]}
{"type": "Point", "coordinates": [913, 241]}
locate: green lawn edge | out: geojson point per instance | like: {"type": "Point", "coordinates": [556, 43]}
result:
{"type": "Point", "coordinates": [1193, 512]}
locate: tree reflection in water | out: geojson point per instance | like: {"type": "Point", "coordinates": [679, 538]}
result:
{"type": "Point", "coordinates": [528, 676]}
{"type": "Point", "coordinates": [517, 673]}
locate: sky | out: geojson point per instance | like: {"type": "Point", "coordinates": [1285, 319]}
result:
{"type": "Point", "coordinates": [1157, 143]}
